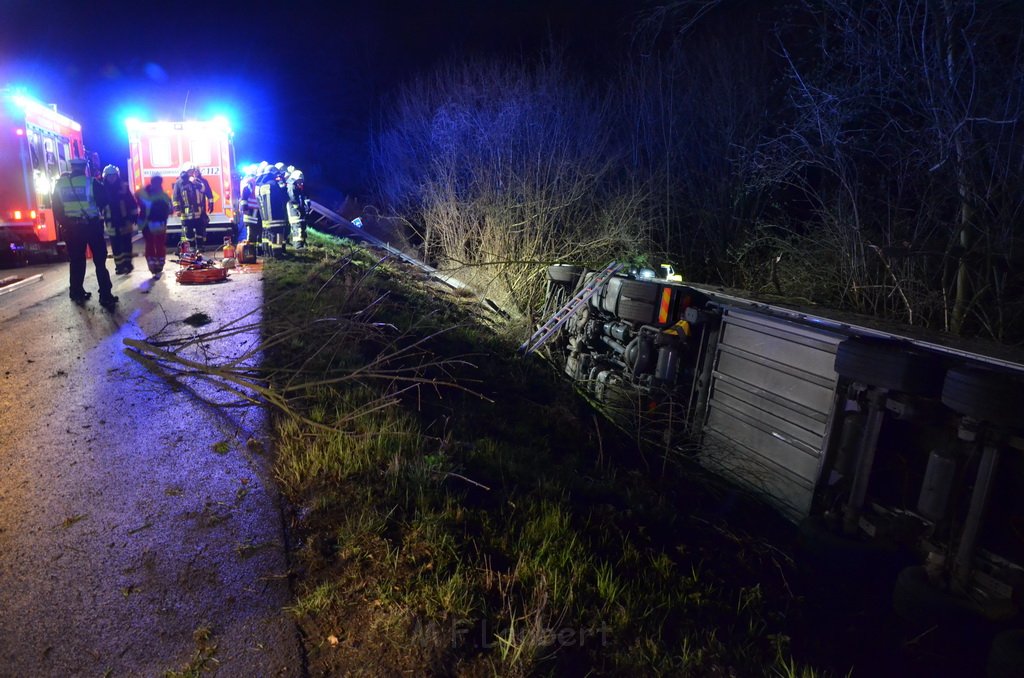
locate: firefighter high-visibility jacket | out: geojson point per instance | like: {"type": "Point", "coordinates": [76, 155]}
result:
{"type": "Point", "coordinates": [298, 203]}
{"type": "Point", "coordinates": [188, 198]}
{"type": "Point", "coordinates": [273, 198]}
{"type": "Point", "coordinates": [77, 198]}
{"type": "Point", "coordinates": [155, 206]}
{"type": "Point", "coordinates": [249, 204]}
{"type": "Point", "coordinates": [121, 211]}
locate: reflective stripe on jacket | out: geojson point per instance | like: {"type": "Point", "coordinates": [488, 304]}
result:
{"type": "Point", "coordinates": [189, 198]}
{"type": "Point", "coordinates": [248, 205]}
{"type": "Point", "coordinates": [77, 198]}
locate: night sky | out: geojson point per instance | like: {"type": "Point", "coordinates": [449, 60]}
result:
{"type": "Point", "coordinates": [282, 74]}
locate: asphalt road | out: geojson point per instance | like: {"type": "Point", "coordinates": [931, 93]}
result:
{"type": "Point", "coordinates": [133, 520]}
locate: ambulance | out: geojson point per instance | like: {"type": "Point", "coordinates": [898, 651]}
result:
{"type": "Point", "coordinates": [36, 146]}
{"type": "Point", "coordinates": [161, 148]}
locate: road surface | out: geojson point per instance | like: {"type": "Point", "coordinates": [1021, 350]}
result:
{"type": "Point", "coordinates": [140, 532]}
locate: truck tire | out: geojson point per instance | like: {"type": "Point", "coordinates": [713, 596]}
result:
{"type": "Point", "coordinates": [984, 395]}
{"type": "Point", "coordinates": [637, 301]}
{"type": "Point", "coordinates": [564, 273]}
{"type": "Point", "coordinates": [889, 365]}
{"type": "Point", "coordinates": [1006, 655]}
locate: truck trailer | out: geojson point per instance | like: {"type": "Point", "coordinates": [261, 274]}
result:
{"type": "Point", "coordinates": [162, 148]}
{"type": "Point", "coordinates": [897, 452]}
{"type": "Point", "coordinates": [36, 146]}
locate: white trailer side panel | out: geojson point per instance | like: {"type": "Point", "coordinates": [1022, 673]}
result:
{"type": "Point", "coordinates": [773, 392]}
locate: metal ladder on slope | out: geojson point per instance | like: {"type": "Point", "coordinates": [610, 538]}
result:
{"type": "Point", "coordinates": [569, 310]}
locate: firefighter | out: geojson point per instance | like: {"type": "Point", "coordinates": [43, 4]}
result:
{"type": "Point", "coordinates": [78, 200]}
{"type": "Point", "coordinates": [208, 196]}
{"type": "Point", "coordinates": [298, 208]}
{"type": "Point", "coordinates": [119, 219]}
{"type": "Point", "coordinates": [249, 207]}
{"type": "Point", "coordinates": [273, 199]}
{"type": "Point", "coordinates": [188, 198]}
{"type": "Point", "coordinates": [155, 207]}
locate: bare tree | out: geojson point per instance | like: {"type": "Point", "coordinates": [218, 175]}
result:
{"type": "Point", "coordinates": [505, 167]}
{"type": "Point", "coordinates": [696, 99]}
{"type": "Point", "coordinates": [903, 135]}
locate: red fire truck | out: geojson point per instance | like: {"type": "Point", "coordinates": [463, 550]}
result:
{"type": "Point", "coordinates": [161, 148]}
{"type": "Point", "coordinates": [36, 147]}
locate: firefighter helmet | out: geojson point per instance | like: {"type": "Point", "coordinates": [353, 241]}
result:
{"type": "Point", "coordinates": [111, 170]}
{"type": "Point", "coordinates": [297, 176]}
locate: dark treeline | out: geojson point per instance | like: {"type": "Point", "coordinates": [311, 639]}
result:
{"type": "Point", "coordinates": [862, 155]}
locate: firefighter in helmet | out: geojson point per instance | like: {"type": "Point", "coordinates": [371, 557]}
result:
{"type": "Point", "coordinates": [298, 208]}
{"type": "Point", "coordinates": [207, 195]}
{"type": "Point", "coordinates": [249, 206]}
{"type": "Point", "coordinates": [119, 218]}
{"type": "Point", "coordinates": [273, 198]}
{"type": "Point", "coordinates": [188, 198]}
{"type": "Point", "coordinates": [78, 200]}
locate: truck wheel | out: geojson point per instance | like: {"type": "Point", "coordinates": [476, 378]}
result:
{"type": "Point", "coordinates": [889, 365]}
{"type": "Point", "coordinates": [564, 273]}
{"type": "Point", "coordinates": [1006, 655]}
{"type": "Point", "coordinates": [984, 395]}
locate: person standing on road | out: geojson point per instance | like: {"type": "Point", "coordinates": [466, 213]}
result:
{"type": "Point", "coordinates": [119, 219]}
{"type": "Point", "coordinates": [155, 207]}
{"type": "Point", "coordinates": [207, 197]}
{"type": "Point", "coordinates": [77, 201]}
{"type": "Point", "coordinates": [249, 207]}
{"type": "Point", "coordinates": [189, 199]}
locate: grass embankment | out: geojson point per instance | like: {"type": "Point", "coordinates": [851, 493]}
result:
{"type": "Point", "coordinates": [458, 510]}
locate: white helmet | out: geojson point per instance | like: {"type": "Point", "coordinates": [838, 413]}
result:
{"type": "Point", "coordinates": [297, 176]}
{"type": "Point", "coordinates": [111, 170]}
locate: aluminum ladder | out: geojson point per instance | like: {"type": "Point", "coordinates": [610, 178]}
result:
{"type": "Point", "coordinates": [569, 310]}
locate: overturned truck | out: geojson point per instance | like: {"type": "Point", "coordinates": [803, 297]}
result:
{"type": "Point", "coordinates": [874, 440]}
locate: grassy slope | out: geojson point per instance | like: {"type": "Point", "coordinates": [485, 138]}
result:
{"type": "Point", "coordinates": [497, 526]}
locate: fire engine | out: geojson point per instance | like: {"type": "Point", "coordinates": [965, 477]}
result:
{"type": "Point", "coordinates": [36, 146]}
{"type": "Point", "coordinates": [161, 148]}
